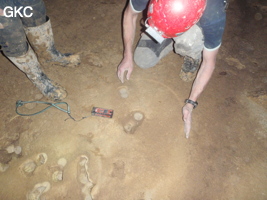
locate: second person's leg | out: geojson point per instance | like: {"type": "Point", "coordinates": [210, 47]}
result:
{"type": "Point", "coordinates": [40, 35]}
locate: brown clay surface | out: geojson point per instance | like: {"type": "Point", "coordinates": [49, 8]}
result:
{"type": "Point", "coordinates": [225, 157]}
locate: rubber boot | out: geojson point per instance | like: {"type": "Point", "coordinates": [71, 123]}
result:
{"type": "Point", "coordinates": [189, 68]}
{"type": "Point", "coordinates": [42, 40]}
{"type": "Point", "coordinates": [29, 64]}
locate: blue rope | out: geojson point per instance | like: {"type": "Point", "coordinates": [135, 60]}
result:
{"type": "Point", "coordinates": [20, 103]}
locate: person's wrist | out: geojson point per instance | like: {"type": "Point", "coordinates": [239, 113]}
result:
{"type": "Point", "coordinates": [128, 58]}
{"type": "Point", "coordinates": [192, 103]}
{"type": "Point", "coordinates": [128, 53]}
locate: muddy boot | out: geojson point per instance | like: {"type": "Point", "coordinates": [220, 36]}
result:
{"type": "Point", "coordinates": [29, 64]}
{"type": "Point", "coordinates": [189, 68]}
{"type": "Point", "coordinates": [42, 40]}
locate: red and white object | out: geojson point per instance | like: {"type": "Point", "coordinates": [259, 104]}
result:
{"type": "Point", "coordinates": [171, 18]}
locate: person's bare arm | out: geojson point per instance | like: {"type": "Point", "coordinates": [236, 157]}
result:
{"type": "Point", "coordinates": [129, 26]}
{"type": "Point", "coordinates": [203, 76]}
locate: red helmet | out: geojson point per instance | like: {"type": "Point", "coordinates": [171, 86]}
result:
{"type": "Point", "coordinates": [171, 18]}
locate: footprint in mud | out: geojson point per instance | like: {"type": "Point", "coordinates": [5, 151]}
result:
{"type": "Point", "coordinates": [131, 122]}
{"type": "Point", "coordinates": [58, 170]}
{"type": "Point", "coordinates": [118, 169]}
{"type": "Point", "coordinates": [3, 167]}
{"type": "Point", "coordinates": [38, 190]}
{"type": "Point", "coordinates": [28, 167]}
{"type": "Point", "coordinates": [84, 177]}
{"type": "Point", "coordinates": [124, 92]}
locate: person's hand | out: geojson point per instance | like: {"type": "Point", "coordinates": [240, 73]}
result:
{"type": "Point", "coordinates": [126, 65]}
{"type": "Point", "coordinates": [187, 117]}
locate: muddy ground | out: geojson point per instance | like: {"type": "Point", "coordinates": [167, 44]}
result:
{"type": "Point", "coordinates": [225, 157]}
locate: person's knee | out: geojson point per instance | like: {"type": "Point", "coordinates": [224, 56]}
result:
{"type": "Point", "coordinates": [145, 58]}
{"type": "Point", "coordinates": [144, 64]}
{"type": "Point", "coordinates": [190, 44]}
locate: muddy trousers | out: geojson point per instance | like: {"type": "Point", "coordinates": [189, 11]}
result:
{"type": "Point", "coordinates": [148, 53]}
{"type": "Point", "coordinates": [13, 39]}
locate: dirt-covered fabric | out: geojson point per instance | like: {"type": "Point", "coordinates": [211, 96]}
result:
{"type": "Point", "coordinates": [13, 40]}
